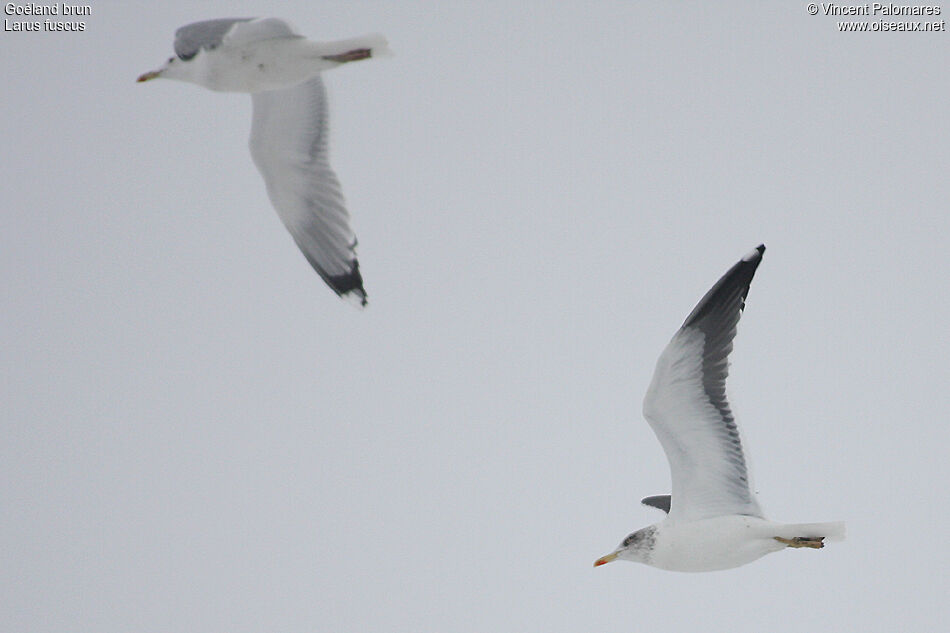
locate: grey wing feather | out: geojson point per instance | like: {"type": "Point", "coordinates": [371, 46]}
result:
{"type": "Point", "coordinates": [289, 146]}
{"type": "Point", "coordinates": [660, 502]}
{"type": "Point", "coordinates": [209, 34]}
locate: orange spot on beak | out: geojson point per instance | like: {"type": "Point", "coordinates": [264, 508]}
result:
{"type": "Point", "coordinates": [603, 560]}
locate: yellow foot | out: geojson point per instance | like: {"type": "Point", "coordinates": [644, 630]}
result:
{"type": "Point", "coordinates": [814, 542]}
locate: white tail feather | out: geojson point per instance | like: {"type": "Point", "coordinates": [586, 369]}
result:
{"type": "Point", "coordinates": [834, 531]}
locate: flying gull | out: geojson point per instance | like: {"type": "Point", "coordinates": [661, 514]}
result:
{"type": "Point", "coordinates": [281, 70]}
{"type": "Point", "coordinates": [713, 520]}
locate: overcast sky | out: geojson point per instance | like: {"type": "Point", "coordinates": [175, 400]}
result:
{"type": "Point", "coordinates": [198, 436]}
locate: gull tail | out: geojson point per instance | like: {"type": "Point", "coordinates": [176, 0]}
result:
{"type": "Point", "coordinates": [834, 531]}
{"type": "Point", "coordinates": [355, 48]}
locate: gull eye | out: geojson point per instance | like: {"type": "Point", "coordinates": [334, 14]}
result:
{"type": "Point", "coordinates": [171, 59]}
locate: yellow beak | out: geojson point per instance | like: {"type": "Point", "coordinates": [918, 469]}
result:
{"type": "Point", "coordinates": [152, 74]}
{"type": "Point", "coordinates": [603, 560]}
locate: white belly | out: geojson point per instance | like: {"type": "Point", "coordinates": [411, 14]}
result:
{"type": "Point", "coordinates": [713, 544]}
{"type": "Point", "coordinates": [267, 65]}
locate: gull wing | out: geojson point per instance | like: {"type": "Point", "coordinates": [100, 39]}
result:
{"type": "Point", "coordinates": [686, 405]}
{"type": "Point", "coordinates": [208, 34]}
{"type": "Point", "coordinates": [289, 146]}
{"type": "Point", "coordinates": [660, 502]}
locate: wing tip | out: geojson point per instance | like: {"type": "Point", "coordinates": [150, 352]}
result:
{"type": "Point", "coordinates": [735, 282]}
{"type": "Point", "coordinates": [357, 297]}
{"type": "Point", "coordinates": [755, 254]}
{"type": "Point", "coordinates": [349, 285]}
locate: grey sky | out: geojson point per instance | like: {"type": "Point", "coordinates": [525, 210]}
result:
{"type": "Point", "coordinates": [197, 435]}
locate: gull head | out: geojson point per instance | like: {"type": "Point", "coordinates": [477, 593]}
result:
{"type": "Point", "coordinates": [637, 547]}
{"type": "Point", "coordinates": [173, 69]}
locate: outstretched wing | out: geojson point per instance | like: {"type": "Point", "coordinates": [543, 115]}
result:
{"type": "Point", "coordinates": [289, 146]}
{"type": "Point", "coordinates": [686, 404]}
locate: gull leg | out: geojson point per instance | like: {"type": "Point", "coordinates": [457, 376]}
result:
{"type": "Point", "coordinates": [814, 542]}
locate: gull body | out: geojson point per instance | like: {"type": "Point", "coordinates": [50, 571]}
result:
{"type": "Point", "coordinates": [717, 543]}
{"type": "Point", "coordinates": [281, 70]}
{"type": "Point", "coordinates": [262, 65]}
{"type": "Point", "coordinates": [714, 521]}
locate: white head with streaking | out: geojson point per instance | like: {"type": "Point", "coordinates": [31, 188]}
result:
{"type": "Point", "coordinates": [713, 519]}
{"type": "Point", "coordinates": [281, 70]}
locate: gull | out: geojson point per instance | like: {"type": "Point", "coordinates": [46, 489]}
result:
{"type": "Point", "coordinates": [281, 70]}
{"type": "Point", "coordinates": [713, 520]}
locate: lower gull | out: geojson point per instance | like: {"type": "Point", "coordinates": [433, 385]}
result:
{"type": "Point", "coordinates": [713, 520]}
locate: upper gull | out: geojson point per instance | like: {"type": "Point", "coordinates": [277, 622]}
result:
{"type": "Point", "coordinates": [281, 70]}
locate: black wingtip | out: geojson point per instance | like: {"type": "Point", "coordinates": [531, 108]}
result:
{"type": "Point", "coordinates": [349, 285]}
{"type": "Point", "coordinates": [734, 284]}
